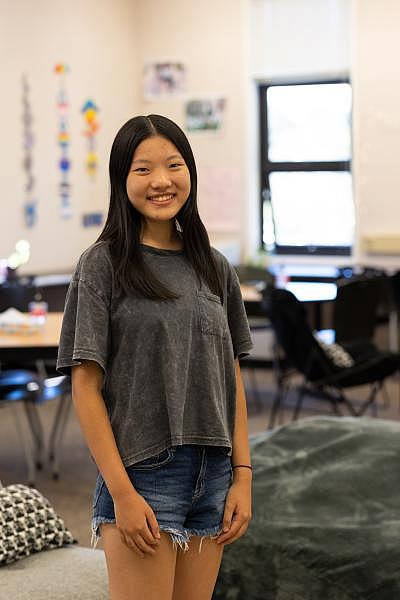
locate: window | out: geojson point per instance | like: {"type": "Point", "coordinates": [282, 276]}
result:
{"type": "Point", "coordinates": [307, 198]}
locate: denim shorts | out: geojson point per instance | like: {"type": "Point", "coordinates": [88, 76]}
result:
{"type": "Point", "coordinates": [186, 486]}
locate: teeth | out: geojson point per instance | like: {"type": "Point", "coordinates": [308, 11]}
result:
{"type": "Point", "coordinates": [162, 198]}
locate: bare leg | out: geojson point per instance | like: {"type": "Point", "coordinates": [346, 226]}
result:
{"type": "Point", "coordinates": [196, 572]}
{"type": "Point", "coordinates": [132, 577]}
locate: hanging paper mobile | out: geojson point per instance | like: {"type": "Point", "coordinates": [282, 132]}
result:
{"type": "Point", "coordinates": [63, 139]}
{"type": "Point", "coordinates": [89, 111]}
{"type": "Point", "coordinates": [30, 214]}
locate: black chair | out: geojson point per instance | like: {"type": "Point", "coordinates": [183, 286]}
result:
{"type": "Point", "coordinates": [323, 378]}
{"type": "Point", "coordinates": [355, 308]}
{"type": "Point", "coordinates": [260, 278]}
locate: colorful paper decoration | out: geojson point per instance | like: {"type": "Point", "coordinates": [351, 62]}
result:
{"type": "Point", "coordinates": [30, 213]}
{"type": "Point", "coordinates": [63, 140]}
{"type": "Point", "coordinates": [89, 111]}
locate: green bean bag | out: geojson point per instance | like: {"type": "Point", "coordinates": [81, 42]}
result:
{"type": "Point", "coordinates": [326, 515]}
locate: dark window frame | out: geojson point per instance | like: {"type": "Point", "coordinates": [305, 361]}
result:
{"type": "Point", "coordinates": [267, 167]}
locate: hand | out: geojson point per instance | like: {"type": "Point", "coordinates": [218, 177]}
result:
{"type": "Point", "coordinates": [237, 514]}
{"type": "Point", "coordinates": [137, 523]}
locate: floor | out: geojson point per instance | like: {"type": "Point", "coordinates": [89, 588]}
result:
{"type": "Point", "coordinates": [71, 494]}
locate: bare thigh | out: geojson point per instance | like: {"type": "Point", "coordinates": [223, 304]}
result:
{"type": "Point", "coordinates": [132, 577]}
{"type": "Point", "coordinates": [196, 573]}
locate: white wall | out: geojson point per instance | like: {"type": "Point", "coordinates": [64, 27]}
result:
{"type": "Point", "coordinates": [209, 37]}
{"type": "Point", "coordinates": [227, 46]}
{"type": "Point", "coordinates": [376, 86]}
{"type": "Point", "coordinates": [96, 38]}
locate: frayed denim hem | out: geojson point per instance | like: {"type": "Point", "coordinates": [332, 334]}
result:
{"type": "Point", "coordinates": [96, 522]}
{"type": "Point", "coordinates": [177, 536]}
{"type": "Point", "coordinates": [182, 539]}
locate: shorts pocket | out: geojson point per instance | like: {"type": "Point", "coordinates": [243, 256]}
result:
{"type": "Point", "coordinates": [212, 316]}
{"type": "Point", "coordinates": [97, 490]}
{"type": "Point", "coordinates": [153, 462]}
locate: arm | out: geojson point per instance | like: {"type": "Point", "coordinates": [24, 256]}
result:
{"type": "Point", "coordinates": [237, 513]}
{"type": "Point", "coordinates": [134, 517]}
{"type": "Point", "coordinates": [87, 380]}
{"type": "Point", "coordinates": [240, 446]}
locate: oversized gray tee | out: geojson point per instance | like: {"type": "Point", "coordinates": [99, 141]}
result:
{"type": "Point", "coordinates": [169, 373]}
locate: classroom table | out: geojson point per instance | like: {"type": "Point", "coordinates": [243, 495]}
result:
{"type": "Point", "coordinates": [30, 347]}
{"type": "Point", "coordinates": [315, 292]}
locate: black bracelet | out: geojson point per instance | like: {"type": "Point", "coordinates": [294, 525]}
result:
{"type": "Point", "coordinates": [247, 466]}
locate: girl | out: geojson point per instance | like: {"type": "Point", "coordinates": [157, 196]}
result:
{"type": "Point", "coordinates": [153, 328]}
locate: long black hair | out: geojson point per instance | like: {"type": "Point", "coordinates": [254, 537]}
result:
{"type": "Point", "coordinates": [123, 225]}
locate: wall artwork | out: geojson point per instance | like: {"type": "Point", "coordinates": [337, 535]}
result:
{"type": "Point", "coordinates": [205, 114]}
{"type": "Point", "coordinates": [163, 80]}
{"type": "Point", "coordinates": [30, 204]}
{"type": "Point", "coordinates": [220, 198]}
{"type": "Point", "coordinates": [94, 219]}
{"type": "Point", "coordinates": [64, 163]}
{"type": "Point", "coordinates": [89, 111]}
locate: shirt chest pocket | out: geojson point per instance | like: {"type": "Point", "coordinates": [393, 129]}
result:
{"type": "Point", "coordinates": [211, 314]}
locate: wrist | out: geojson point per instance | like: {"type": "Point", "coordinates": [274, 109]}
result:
{"type": "Point", "coordinates": [242, 472]}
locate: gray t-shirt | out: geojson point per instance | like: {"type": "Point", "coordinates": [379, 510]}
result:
{"type": "Point", "coordinates": [169, 376]}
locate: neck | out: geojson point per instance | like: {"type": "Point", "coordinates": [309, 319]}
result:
{"type": "Point", "coordinates": [161, 235]}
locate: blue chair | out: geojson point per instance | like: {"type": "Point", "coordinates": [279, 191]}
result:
{"type": "Point", "coordinates": [24, 391]}
{"type": "Point", "coordinates": [19, 390]}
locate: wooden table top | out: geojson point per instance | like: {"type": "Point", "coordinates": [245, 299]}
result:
{"type": "Point", "coordinates": [48, 336]}
{"type": "Point", "coordinates": [250, 293]}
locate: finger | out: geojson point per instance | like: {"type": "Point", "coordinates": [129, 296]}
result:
{"type": "Point", "coordinates": [227, 520]}
{"type": "Point", "coordinates": [142, 545]}
{"type": "Point", "coordinates": [154, 530]}
{"type": "Point", "coordinates": [236, 525]}
{"type": "Point", "coordinates": [238, 535]}
{"type": "Point", "coordinates": [131, 545]}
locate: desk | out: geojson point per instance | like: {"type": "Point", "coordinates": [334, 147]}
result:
{"type": "Point", "coordinates": [35, 346]}
{"type": "Point", "coordinates": [306, 291]}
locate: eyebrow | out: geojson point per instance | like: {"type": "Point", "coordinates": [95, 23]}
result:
{"type": "Point", "coordinates": [142, 160]}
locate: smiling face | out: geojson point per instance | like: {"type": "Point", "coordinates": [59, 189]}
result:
{"type": "Point", "coordinates": [158, 183]}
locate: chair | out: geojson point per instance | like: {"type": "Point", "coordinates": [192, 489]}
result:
{"type": "Point", "coordinates": [260, 278]}
{"type": "Point", "coordinates": [19, 390]}
{"type": "Point", "coordinates": [323, 378]}
{"type": "Point", "coordinates": [18, 294]}
{"type": "Point", "coordinates": [32, 389]}
{"type": "Point", "coordinates": [356, 308]}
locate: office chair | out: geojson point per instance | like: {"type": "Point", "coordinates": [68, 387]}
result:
{"type": "Point", "coordinates": [322, 377]}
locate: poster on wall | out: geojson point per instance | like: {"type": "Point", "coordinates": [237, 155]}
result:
{"type": "Point", "coordinates": [30, 204]}
{"type": "Point", "coordinates": [163, 80]}
{"type": "Point", "coordinates": [220, 198]}
{"type": "Point", "coordinates": [89, 111]}
{"type": "Point", "coordinates": [205, 114]}
{"type": "Point", "coordinates": [63, 139]}
{"type": "Point", "coordinates": [94, 219]}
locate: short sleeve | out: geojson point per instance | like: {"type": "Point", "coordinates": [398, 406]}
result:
{"type": "Point", "coordinates": [237, 318]}
{"type": "Point", "coordinates": [85, 332]}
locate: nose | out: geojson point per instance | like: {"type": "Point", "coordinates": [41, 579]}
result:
{"type": "Point", "coordinates": [161, 179]}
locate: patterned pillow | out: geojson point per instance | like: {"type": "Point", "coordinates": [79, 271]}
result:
{"type": "Point", "coordinates": [337, 354]}
{"type": "Point", "coordinates": [28, 523]}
